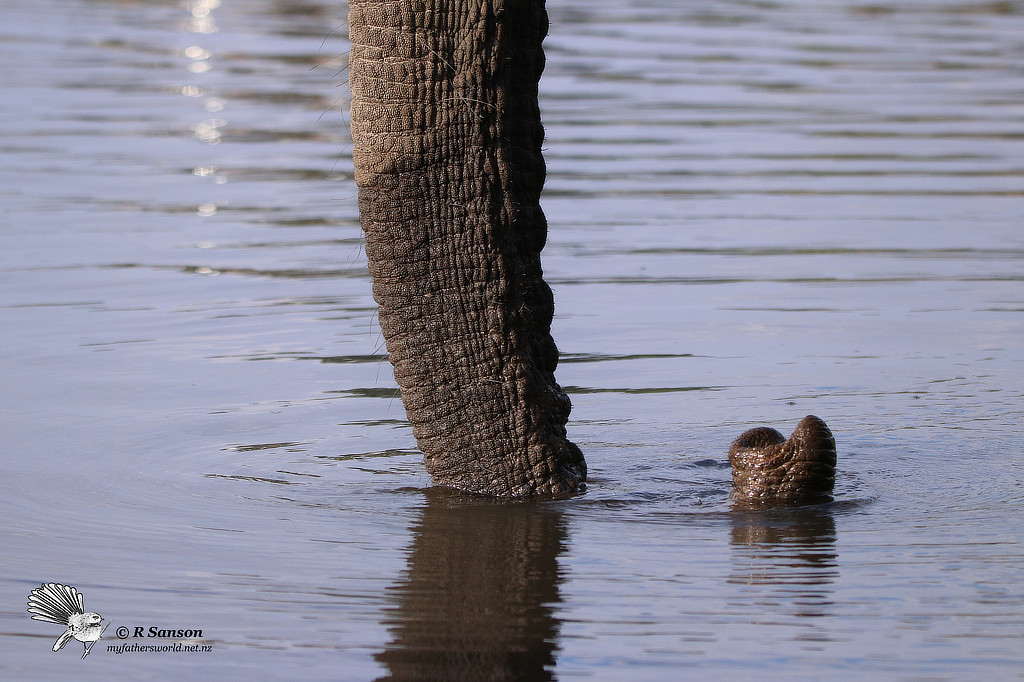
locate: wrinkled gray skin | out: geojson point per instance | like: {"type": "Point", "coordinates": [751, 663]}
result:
{"type": "Point", "coordinates": [768, 468]}
{"type": "Point", "coordinates": [447, 141]}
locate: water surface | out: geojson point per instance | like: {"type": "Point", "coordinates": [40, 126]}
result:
{"type": "Point", "coordinates": [758, 211]}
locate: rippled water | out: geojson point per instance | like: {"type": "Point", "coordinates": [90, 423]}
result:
{"type": "Point", "coordinates": [758, 211]}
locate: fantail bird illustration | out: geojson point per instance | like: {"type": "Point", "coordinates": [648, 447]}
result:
{"type": "Point", "coordinates": [64, 605]}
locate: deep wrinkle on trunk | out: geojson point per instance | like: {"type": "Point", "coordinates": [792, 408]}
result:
{"type": "Point", "coordinates": [447, 150]}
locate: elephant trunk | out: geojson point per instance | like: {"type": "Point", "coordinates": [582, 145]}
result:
{"type": "Point", "coordinates": [447, 150]}
{"type": "Point", "coordinates": [769, 469]}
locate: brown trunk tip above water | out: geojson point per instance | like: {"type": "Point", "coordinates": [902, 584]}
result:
{"type": "Point", "coordinates": [769, 470]}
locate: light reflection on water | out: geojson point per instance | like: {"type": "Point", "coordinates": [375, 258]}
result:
{"type": "Point", "coordinates": [758, 211]}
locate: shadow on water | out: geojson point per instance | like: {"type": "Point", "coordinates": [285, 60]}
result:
{"type": "Point", "coordinates": [477, 599]}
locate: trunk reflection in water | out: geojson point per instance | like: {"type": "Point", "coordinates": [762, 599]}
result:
{"type": "Point", "coordinates": [476, 601]}
{"type": "Point", "coordinates": [788, 556]}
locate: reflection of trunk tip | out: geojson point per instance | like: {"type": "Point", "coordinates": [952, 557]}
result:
{"type": "Point", "coordinates": [770, 470]}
